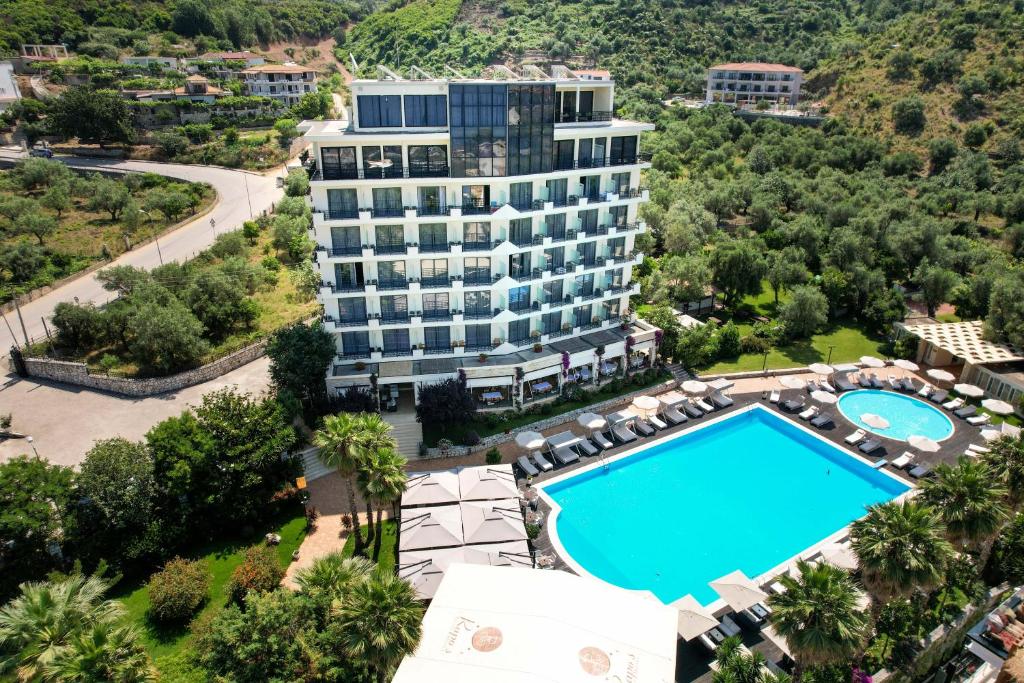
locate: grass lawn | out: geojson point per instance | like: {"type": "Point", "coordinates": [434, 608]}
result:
{"type": "Point", "coordinates": [386, 560]}
{"type": "Point", "coordinates": [456, 433]}
{"type": "Point", "coordinates": [168, 646]}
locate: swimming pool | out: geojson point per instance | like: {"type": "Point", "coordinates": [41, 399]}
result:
{"type": "Point", "coordinates": [907, 416]}
{"type": "Point", "coordinates": [747, 492]}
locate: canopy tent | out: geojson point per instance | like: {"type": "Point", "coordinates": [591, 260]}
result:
{"type": "Point", "coordinates": [996, 406]}
{"type": "Point", "coordinates": [489, 482]}
{"type": "Point", "coordinates": [874, 421]}
{"type": "Point", "coordinates": [505, 624]}
{"type": "Point", "coordinates": [820, 369]}
{"type": "Point", "coordinates": [923, 443]}
{"type": "Point", "coordinates": [671, 398]}
{"type": "Point", "coordinates": [620, 416]}
{"type": "Point", "coordinates": [692, 386]}
{"type": "Point", "coordinates": [940, 375]}
{"type": "Point", "coordinates": [694, 618]}
{"type": "Point", "coordinates": [738, 591]}
{"type": "Point", "coordinates": [424, 569]}
{"type": "Point", "coordinates": [823, 397]}
{"type": "Point", "coordinates": [431, 488]}
{"type": "Point", "coordinates": [592, 421]}
{"type": "Point", "coordinates": [791, 382]}
{"type": "Point", "coordinates": [565, 438]}
{"type": "Point", "coordinates": [904, 364]}
{"type": "Point", "coordinates": [969, 390]}
{"type": "Point", "coordinates": [721, 384]}
{"type": "Point", "coordinates": [872, 362]}
{"type": "Point", "coordinates": [439, 526]}
{"type": "Point", "coordinates": [492, 521]}
{"type": "Point", "coordinates": [531, 441]}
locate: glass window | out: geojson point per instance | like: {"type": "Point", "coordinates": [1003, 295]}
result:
{"type": "Point", "coordinates": [521, 195]}
{"type": "Point", "coordinates": [355, 343]}
{"type": "Point", "coordinates": [478, 336]}
{"type": "Point", "coordinates": [581, 316]}
{"type": "Point", "coordinates": [379, 111]}
{"type": "Point", "coordinates": [567, 111]}
{"type": "Point", "coordinates": [390, 236]}
{"type": "Point", "coordinates": [345, 241]}
{"type": "Point", "coordinates": [478, 129]}
{"type": "Point", "coordinates": [618, 215]}
{"type": "Point", "coordinates": [553, 291]}
{"type": "Point", "coordinates": [352, 310]}
{"type": "Point", "coordinates": [623, 149]}
{"type": "Point", "coordinates": [617, 247]}
{"type": "Point", "coordinates": [588, 220]}
{"type": "Point", "coordinates": [342, 204]}
{"type": "Point", "coordinates": [620, 182]}
{"type": "Point", "coordinates": [555, 224]}
{"type": "Point", "coordinates": [585, 284]}
{"type": "Point", "coordinates": [437, 338]}
{"type": "Point", "coordinates": [396, 341]}
{"type": "Point", "coordinates": [585, 152]}
{"type": "Point", "coordinates": [588, 252]}
{"type": "Point", "coordinates": [431, 201]}
{"type": "Point", "coordinates": [476, 233]}
{"type": "Point", "coordinates": [478, 270]}
{"type": "Point", "coordinates": [434, 268]}
{"type": "Point", "coordinates": [519, 298]}
{"type": "Point", "coordinates": [551, 322]}
{"type": "Point", "coordinates": [390, 271]}
{"type": "Point", "coordinates": [613, 279]}
{"type": "Point", "coordinates": [435, 303]}
{"type": "Point", "coordinates": [520, 231]}
{"type": "Point", "coordinates": [339, 163]}
{"type": "Point", "coordinates": [519, 331]}
{"type": "Point", "coordinates": [426, 111]}
{"type": "Point", "coordinates": [394, 307]}
{"type": "Point", "coordinates": [531, 121]}
{"type": "Point", "coordinates": [555, 257]}
{"type": "Point", "coordinates": [599, 158]}
{"type": "Point", "coordinates": [433, 235]}
{"type": "Point", "coordinates": [591, 186]}
{"type": "Point", "coordinates": [428, 160]}
{"type": "Point", "coordinates": [564, 154]}
{"type": "Point", "coordinates": [558, 191]}
{"type": "Point", "coordinates": [348, 274]}
{"type": "Point", "coordinates": [586, 105]}
{"type": "Point", "coordinates": [387, 201]}
{"type": "Point", "coordinates": [478, 303]}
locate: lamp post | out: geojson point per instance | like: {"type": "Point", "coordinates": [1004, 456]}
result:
{"type": "Point", "coordinates": [31, 442]}
{"type": "Point", "coordinates": [829, 361]}
{"type": "Point", "coordinates": [764, 365]}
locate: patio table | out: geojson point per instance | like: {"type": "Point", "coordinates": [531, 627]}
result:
{"type": "Point", "coordinates": [489, 396]}
{"type": "Point", "coordinates": [541, 387]}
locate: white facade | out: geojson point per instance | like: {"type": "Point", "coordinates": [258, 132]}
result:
{"type": "Point", "coordinates": [9, 92]}
{"type": "Point", "coordinates": [466, 217]}
{"type": "Point", "coordinates": [751, 82]}
{"type": "Point", "coordinates": [146, 60]}
{"type": "Point", "coordinates": [286, 83]}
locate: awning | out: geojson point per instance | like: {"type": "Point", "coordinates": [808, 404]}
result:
{"type": "Point", "coordinates": [620, 416]}
{"type": "Point", "coordinates": [720, 384]}
{"type": "Point", "coordinates": [489, 482]}
{"type": "Point", "coordinates": [492, 521]}
{"type": "Point", "coordinates": [424, 569]}
{"type": "Point", "coordinates": [431, 488]}
{"type": "Point", "coordinates": [439, 526]}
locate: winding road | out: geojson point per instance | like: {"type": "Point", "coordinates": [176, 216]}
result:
{"type": "Point", "coordinates": [240, 195]}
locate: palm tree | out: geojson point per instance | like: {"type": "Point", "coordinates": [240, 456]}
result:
{"type": "Point", "coordinates": [338, 441]}
{"type": "Point", "coordinates": [102, 653]}
{"type": "Point", "coordinates": [818, 616]}
{"type": "Point", "coordinates": [374, 436]}
{"type": "Point", "coordinates": [333, 576]}
{"type": "Point", "coordinates": [382, 481]}
{"type": "Point", "coordinates": [901, 548]}
{"type": "Point", "coordinates": [44, 623]}
{"type": "Point", "coordinates": [1006, 460]}
{"type": "Point", "coordinates": [971, 503]}
{"type": "Point", "coordinates": [380, 623]}
{"type": "Point", "coordinates": [737, 666]}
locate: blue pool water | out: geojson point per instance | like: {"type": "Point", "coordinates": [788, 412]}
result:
{"type": "Point", "coordinates": [907, 416]}
{"type": "Point", "coordinates": [746, 493]}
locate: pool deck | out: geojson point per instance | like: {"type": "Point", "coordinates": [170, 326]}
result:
{"type": "Point", "coordinates": [692, 660]}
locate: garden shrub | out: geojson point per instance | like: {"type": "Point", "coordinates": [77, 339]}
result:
{"type": "Point", "coordinates": [729, 340]}
{"type": "Point", "coordinates": [753, 344]}
{"type": "Point", "coordinates": [493, 457]}
{"type": "Point", "coordinates": [532, 531]}
{"type": "Point", "coordinates": [259, 572]}
{"type": "Point", "coordinates": [471, 438]}
{"type": "Point", "coordinates": [178, 590]}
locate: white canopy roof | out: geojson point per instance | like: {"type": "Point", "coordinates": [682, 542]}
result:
{"type": "Point", "coordinates": [565, 438]}
{"type": "Point", "coordinates": [492, 521]}
{"type": "Point", "coordinates": [620, 416]}
{"type": "Point", "coordinates": [840, 554]}
{"type": "Point", "coordinates": [845, 367]}
{"type": "Point", "coordinates": [738, 591]}
{"type": "Point", "coordinates": [507, 624]}
{"type": "Point", "coordinates": [489, 482]}
{"type": "Point", "coordinates": [721, 384]}
{"type": "Point", "coordinates": [694, 618]}
{"type": "Point", "coordinates": [431, 488]}
{"type": "Point", "coordinates": [820, 369]}
{"type": "Point", "coordinates": [966, 340]}
{"type": "Point", "coordinates": [431, 527]}
{"type": "Point", "coordinates": [672, 398]}
{"type": "Point", "coordinates": [424, 569]}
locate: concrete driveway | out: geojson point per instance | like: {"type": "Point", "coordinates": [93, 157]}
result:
{"type": "Point", "coordinates": [65, 421]}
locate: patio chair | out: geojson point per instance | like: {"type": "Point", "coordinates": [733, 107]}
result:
{"type": "Point", "coordinates": [728, 626]}
{"type": "Point", "coordinates": [864, 381]}
{"type": "Point", "coordinates": [809, 413]}
{"type": "Point", "coordinates": [623, 433]}
{"type": "Point", "coordinates": [843, 384]}
{"type": "Point", "coordinates": [955, 404]}
{"type": "Point", "coordinates": [585, 373]}
{"type": "Point", "coordinates": [966, 411]}
{"type": "Point", "coordinates": [711, 639]}
{"type": "Point", "coordinates": [920, 471]}
{"type": "Point", "coordinates": [978, 420]}
{"type": "Point", "coordinates": [565, 455]}
{"type": "Point", "coordinates": [526, 466]}
{"type": "Point", "coordinates": [692, 410]}
{"type": "Point", "coordinates": [894, 383]}
{"type": "Point", "coordinates": [826, 386]}
{"type": "Point", "coordinates": [939, 396]}
{"type": "Point", "coordinates": [793, 405]}
{"type": "Point", "coordinates": [642, 428]}
{"type": "Point", "coordinates": [876, 382]}
{"type": "Point", "coordinates": [811, 385]}
{"type": "Point", "coordinates": [856, 437]}
{"type": "Point", "coordinates": [776, 587]}
{"type": "Point", "coordinates": [657, 422]}
{"type": "Point", "coordinates": [704, 405]}
{"type": "Point", "coordinates": [926, 390]}
{"type": "Point", "coordinates": [908, 384]}
{"type": "Point", "coordinates": [673, 415]}
{"type": "Point", "coordinates": [721, 400]}
{"type": "Point", "coordinates": [601, 440]}
{"type": "Point", "coordinates": [541, 461]}
{"type": "Point", "coordinates": [822, 420]}
{"type": "Point", "coordinates": [870, 446]}
{"type": "Point", "coordinates": [587, 447]}
{"type": "Point", "coordinates": [774, 396]}
{"type": "Point", "coordinates": [902, 460]}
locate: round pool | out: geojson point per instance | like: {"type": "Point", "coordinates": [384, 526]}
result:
{"type": "Point", "coordinates": [907, 416]}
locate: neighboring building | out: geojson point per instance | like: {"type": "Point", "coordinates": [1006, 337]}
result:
{"type": "Point", "coordinates": [52, 53]}
{"type": "Point", "coordinates": [286, 83]}
{"type": "Point", "coordinates": [479, 226]}
{"type": "Point", "coordinates": [9, 92]}
{"type": "Point", "coordinates": [145, 60]}
{"type": "Point", "coordinates": [250, 58]}
{"type": "Point", "coordinates": [224, 65]}
{"type": "Point", "coordinates": [750, 82]}
{"type": "Point", "coordinates": [196, 89]}
{"type": "Point", "coordinates": [988, 645]}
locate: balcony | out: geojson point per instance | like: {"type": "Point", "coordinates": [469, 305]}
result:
{"type": "Point", "coordinates": [340, 214]}
{"type": "Point", "coordinates": [386, 211]}
{"type": "Point", "coordinates": [559, 333]}
{"type": "Point", "coordinates": [356, 250]}
{"type": "Point", "coordinates": [524, 308]}
{"type": "Point", "coordinates": [394, 319]}
{"type": "Point", "coordinates": [526, 277]}
{"type": "Point", "coordinates": [475, 208]}
{"type": "Point", "coordinates": [478, 246]}
{"type": "Point", "coordinates": [345, 287]}
{"type": "Point", "coordinates": [435, 282]}
{"type": "Point", "coordinates": [358, 354]}
{"type": "Point", "coordinates": [391, 283]}
{"type": "Point", "coordinates": [593, 263]}
{"type": "Point", "coordinates": [481, 314]}
{"type": "Point", "coordinates": [435, 315]}
{"type": "Point", "coordinates": [432, 209]}
{"type": "Point", "coordinates": [394, 353]}
{"type": "Point", "coordinates": [437, 248]}
{"type": "Point", "coordinates": [596, 116]}
{"type": "Point", "coordinates": [411, 171]}
{"type": "Point", "coordinates": [387, 249]}
{"type": "Point", "coordinates": [438, 351]}
{"type": "Point", "coordinates": [596, 294]}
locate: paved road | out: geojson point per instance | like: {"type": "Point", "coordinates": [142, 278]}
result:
{"type": "Point", "coordinates": [240, 195]}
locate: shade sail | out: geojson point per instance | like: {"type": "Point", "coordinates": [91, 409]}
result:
{"type": "Point", "coordinates": [692, 386]}
{"type": "Point", "coordinates": [906, 364]}
{"type": "Point", "coordinates": [424, 569]}
{"type": "Point", "coordinates": [505, 624]}
{"type": "Point", "coordinates": [824, 397]}
{"type": "Point", "coordinates": [872, 362]}
{"type": "Point", "coordinates": [565, 438]}
{"type": "Point", "coordinates": [489, 482]}
{"type": "Point", "coordinates": [671, 398]}
{"type": "Point", "coordinates": [531, 441]}
{"type": "Point", "coordinates": [996, 406]}
{"type": "Point", "coordinates": [592, 421]}
{"type": "Point", "coordinates": [738, 591]}
{"type": "Point", "coordinates": [620, 416]}
{"type": "Point", "coordinates": [969, 390]}
{"type": "Point", "coordinates": [923, 443]}
{"type": "Point", "coordinates": [431, 488]}
{"type": "Point", "coordinates": [840, 554]}
{"type": "Point", "coordinates": [874, 421]}
{"type": "Point", "coordinates": [439, 526]}
{"type": "Point", "coordinates": [492, 521]}
{"type": "Point", "coordinates": [820, 369]}
{"type": "Point", "coordinates": [694, 618]}
{"type": "Point", "coordinates": [940, 375]}
{"type": "Point", "coordinates": [791, 382]}
{"type": "Point", "coordinates": [845, 367]}
{"type": "Point", "coordinates": [721, 384]}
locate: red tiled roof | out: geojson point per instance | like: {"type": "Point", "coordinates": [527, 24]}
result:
{"type": "Point", "coordinates": [757, 66]}
{"type": "Point", "coordinates": [593, 72]}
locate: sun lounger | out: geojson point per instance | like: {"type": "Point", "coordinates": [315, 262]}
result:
{"type": "Point", "coordinates": [793, 405]}
{"type": "Point", "coordinates": [979, 420]}
{"type": "Point", "coordinates": [955, 404]}
{"type": "Point", "coordinates": [876, 382]}
{"type": "Point", "coordinates": [864, 381]}
{"type": "Point", "coordinates": [673, 415]}
{"type": "Point", "coordinates": [822, 420]}
{"type": "Point", "coordinates": [692, 410]}
{"type": "Point", "coordinates": [623, 433]}
{"type": "Point", "coordinates": [966, 411]}
{"type": "Point", "coordinates": [642, 428]}
{"type": "Point", "coordinates": [809, 413]}
{"type": "Point", "coordinates": [811, 386]}
{"type": "Point", "coordinates": [938, 396]}
{"type": "Point", "coordinates": [729, 627]}
{"type": "Point", "coordinates": [777, 587]}
{"type": "Point", "coordinates": [586, 447]}
{"type": "Point", "coordinates": [704, 405]}
{"type": "Point", "coordinates": [775, 396]}
{"type": "Point", "coordinates": [901, 461]}
{"type": "Point", "coordinates": [856, 437]}
{"type": "Point", "coordinates": [541, 461]}
{"type": "Point", "coordinates": [565, 455]}
{"type": "Point", "coordinates": [601, 440]}
{"type": "Point", "coordinates": [526, 466]}
{"type": "Point", "coordinates": [721, 400]}
{"type": "Point", "coordinates": [870, 446]}
{"type": "Point", "coordinates": [843, 384]}
{"type": "Point", "coordinates": [926, 390]}
{"type": "Point", "coordinates": [908, 384]}
{"type": "Point", "coordinates": [826, 386]}
{"type": "Point", "coordinates": [657, 422]}
{"type": "Point", "coordinates": [920, 471]}
{"type": "Point", "coordinates": [894, 383]}
{"type": "Point", "coordinates": [979, 448]}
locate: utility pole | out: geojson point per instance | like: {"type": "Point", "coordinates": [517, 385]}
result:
{"type": "Point", "coordinates": [245, 178]}
{"type": "Point", "coordinates": [21, 320]}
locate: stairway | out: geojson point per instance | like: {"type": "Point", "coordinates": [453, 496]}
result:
{"type": "Point", "coordinates": [312, 468]}
{"type": "Point", "coordinates": [679, 374]}
{"type": "Point", "coordinates": [408, 433]}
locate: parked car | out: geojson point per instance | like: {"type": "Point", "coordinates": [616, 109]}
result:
{"type": "Point", "coordinates": [41, 149]}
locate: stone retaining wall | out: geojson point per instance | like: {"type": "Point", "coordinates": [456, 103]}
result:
{"type": "Point", "coordinates": [79, 375]}
{"type": "Point", "coordinates": [540, 425]}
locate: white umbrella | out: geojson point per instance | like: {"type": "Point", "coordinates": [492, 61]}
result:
{"type": "Point", "coordinates": [923, 443]}
{"type": "Point", "coordinates": [531, 441]}
{"type": "Point", "coordinates": [791, 382]}
{"type": "Point", "coordinates": [969, 390]}
{"type": "Point", "coordinates": [840, 555]}
{"type": "Point", "coordinates": [906, 364]}
{"type": "Point", "coordinates": [875, 421]}
{"type": "Point", "coordinates": [820, 369]}
{"type": "Point", "coordinates": [692, 386]}
{"type": "Point", "coordinates": [991, 434]}
{"type": "Point", "coordinates": [592, 421]}
{"type": "Point", "coordinates": [872, 362]}
{"type": "Point", "coordinates": [646, 404]}
{"type": "Point", "coordinates": [824, 397]}
{"type": "Point", "coordinates": [996, 406]}
{"type": "Point", "coordinates": [694, 618]}
{"type": "Point", "coordinates": [738, 590]}
{"type": "Point", "coordinates": [940, 375]}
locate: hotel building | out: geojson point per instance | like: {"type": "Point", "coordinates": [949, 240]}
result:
{"type": "Point", "coordinates": [751, 82]}
{"type": "Point", "coordinates": [482, 227]}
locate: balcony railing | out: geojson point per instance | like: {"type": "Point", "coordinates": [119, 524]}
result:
{"type": "Point", "coordinates": [559, 333]}
{"type": "Point", "coordinates": [480, 279]}
{"type": "Point", "coordinates": [355, 250]}
{"type": "Point", "coordinates": [392, 283]}
{"type": "Point", "coordinates": [475, 208]}
{"type": "Point", "coordinates": [438, 350]}
{"type": "Point", "coordinates": [434, 171]}
{"type": "Point", "coordinates": [345, 287]}
{"type": "Point", "coordinates": [437, 315]}
{"type": "Point", "coordinates": [393, 318]}
{"type": "Point", "coordinates": [526, 277]}
{"type": "Point", "coordinates": [441, 248]}
{"type": "Point", "coordinates": [524, 307]}
{"type": "Point", "coordinates": [477, 246]}
{"type": "Point", "coordinates": [432, 209]}
{"type": "Point", "coordinates": [392, 353]}
{"type": "Point", "coordinates": [597, 115]}
{"type": "Point", "coordinates": [386, 210]}
{"type": "Point", "coordinates": [341, 214]}
{"type": "Point", "coordinates": [435, 281]}
{"type": "Point", "coordinates": [480, 314]}
{"type": "Point", "coordinates": [385, 249]}
{"type": "Point", "coordinates": [355, 355]}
